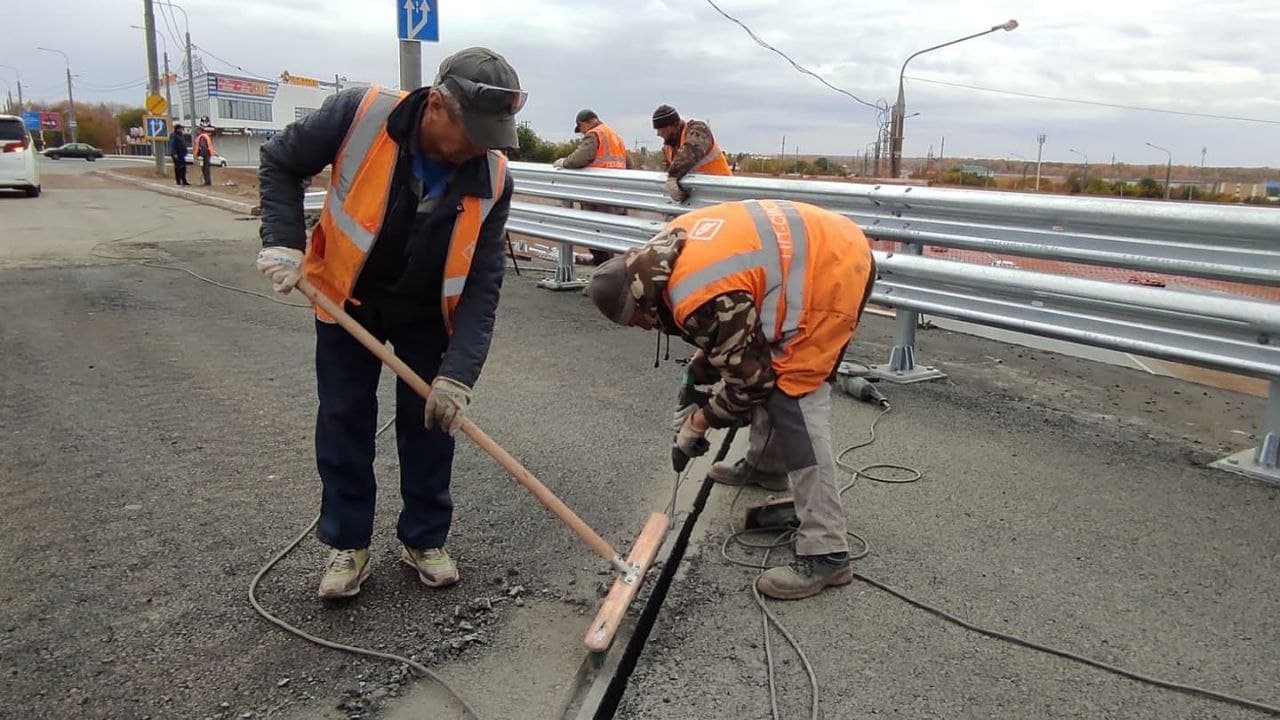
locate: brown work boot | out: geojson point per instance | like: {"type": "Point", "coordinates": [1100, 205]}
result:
{"type": "Point", "coordinates": [744, 473]}
{"type": "Point", "coordinates": [434, 566]}
{"type": "Point", "coordinates": [805, 577]}
{"type": "Point", "coordinates": [345, 571]}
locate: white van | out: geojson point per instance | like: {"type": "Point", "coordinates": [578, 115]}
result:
{"type": "Point", "coordinates": [19, 161]}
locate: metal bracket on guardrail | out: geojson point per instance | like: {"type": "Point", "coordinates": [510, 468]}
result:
{"type": "Point", "coordinates": [902, 367]}
{"type": "Point", "coordinates": [566, 275]}
{"type": "Point", "coordinates": [1263, 462]}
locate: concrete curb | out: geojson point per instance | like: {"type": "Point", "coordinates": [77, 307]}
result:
{"type": "Point", "coordinates": [235, 206]}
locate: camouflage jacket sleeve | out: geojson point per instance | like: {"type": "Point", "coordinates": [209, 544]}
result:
{"type": "Point", "coordinates": [583, 154]}
{"type": "Point", "coordinates": [727, 328]}
{"type": "Point", "coordinates": [697, 143]}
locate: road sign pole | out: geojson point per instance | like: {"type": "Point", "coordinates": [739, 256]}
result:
{"type": "Point", "coordinates": [153, 75]}
{"type": "Point", "coordinates": [410, 65]}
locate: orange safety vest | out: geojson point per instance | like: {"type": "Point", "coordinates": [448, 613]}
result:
{"type": "Point", "coordinates": [713, 163]}
{"type": "Point", "coordinates": [356, 202]}
{"type": "Point", "coordinates": [611, 151]}
{"type": "Point", "coordinates": [207, 140]}
{"type": "Point", "coordinates": [807, 269]}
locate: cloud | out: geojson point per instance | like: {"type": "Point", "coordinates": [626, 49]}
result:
{"type": "Point", "coordinates": [623, 59]}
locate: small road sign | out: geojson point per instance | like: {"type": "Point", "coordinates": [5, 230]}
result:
{"type": "Point", "coordinates": [418, 20]}
{"type": "Point", "coordinates": [157, 128]}
{"type": "Point", "coordinates": [156, 104]}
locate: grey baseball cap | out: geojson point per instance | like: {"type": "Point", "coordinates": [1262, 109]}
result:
{"type": "Point", "coordinates": [583, 116]}
{"type": "Point", "coordinates": [488, 91]}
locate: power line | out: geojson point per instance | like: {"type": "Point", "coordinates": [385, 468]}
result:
{"type": "Point", "coordinates": [111, 87]}
{"type": "Point", "coordinates": [879, 107]}
{"type": "Point", "coordinates": [228, 63]}
{"type": "Point", "coordinates": [1095, 103]}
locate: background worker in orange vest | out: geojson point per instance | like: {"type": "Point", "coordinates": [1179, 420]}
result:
{"type": "Point", "coordinates": [411, 240]}
{"type": "Point", "coordinates": [601, 147]}
{"type": "Point", "coordinates": [687, 147]}
{"type": "Point", "coordinates": [204, 152]}
{"type": "Point", "coordinates": [770, 293]}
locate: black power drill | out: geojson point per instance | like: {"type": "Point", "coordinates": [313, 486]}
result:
{"type": "Point", "coordinates": [697, 396]}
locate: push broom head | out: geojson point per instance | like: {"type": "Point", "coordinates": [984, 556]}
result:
{"type": "Point", "coordinates": [605, 626]}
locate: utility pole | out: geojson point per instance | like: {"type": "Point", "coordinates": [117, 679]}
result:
{"type": "Point", "coordinates": [337, 84]}
{"type": "Point", "coordinates": [153, 79]}
{"type": "Point", "coordinates": [17, 75]}
{"type": "Point", "coordinates": [410, 65]}
{"type": "Point", "coordinates": [1039, 155]}
{"type": "Point", "coordinates": [71, 100]}
{"type": "Point", "coordinates": [942, 150]}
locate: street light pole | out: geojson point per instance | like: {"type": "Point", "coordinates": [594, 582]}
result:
{"type": "Point", "coordinates": [18, 75]}
{"type": "Point", "coordinates": [1168, 168]}
{"type": "Point", "coordinates": [1084, 182]}
{"type": "Point", "coordinates": [71, 100]}
{"type": "Point", "coordinates": [191, 69]}
{"type": "Point", "coordinates": [900, 107]}
{"type": "Point", "coordinates": [1039, 154]}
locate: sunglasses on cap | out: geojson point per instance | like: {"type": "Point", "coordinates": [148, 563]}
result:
{"type": "Point", "coordinates": [489, 98]}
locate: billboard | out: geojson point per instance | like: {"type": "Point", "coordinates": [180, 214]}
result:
{"type": "Point", "coordinates": [1273, 188]}
{"type": "Point", "coordinates": [240, 86]}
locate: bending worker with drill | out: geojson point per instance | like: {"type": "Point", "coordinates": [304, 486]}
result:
{"type": "Point", "coordinates": [769, 292]}
{"type": "Point", "coordinates": [410, 241]}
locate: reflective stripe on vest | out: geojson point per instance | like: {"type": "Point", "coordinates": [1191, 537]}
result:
{"type": "Point", "coordinates": [356, 204]}
{"type": "Point", "coordinates": [782, 241]}
{"type": "Point", "coordinates": [611, 151]}
{"type": "Point", "coordinates": [465, 236]}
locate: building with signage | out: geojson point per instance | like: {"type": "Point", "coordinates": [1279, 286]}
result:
{"type": "Point", "coordinates": [245, 112]}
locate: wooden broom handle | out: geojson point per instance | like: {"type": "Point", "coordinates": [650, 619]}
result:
{"type": "Point", "coordinates": [486, 443]}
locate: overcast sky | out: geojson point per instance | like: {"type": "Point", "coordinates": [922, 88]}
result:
{"type": "Point", "coordinates": [623, 58]}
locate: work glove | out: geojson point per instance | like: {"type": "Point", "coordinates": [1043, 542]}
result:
{"type": "Point", "coordinates": [675, 191]}
{"type": "Point", "coordinates": [558, 164]}
{"type": "Point", "coordinates": [446, 404]}
{"type": "Point", "coordinates": [691, 440]}
{"type": "Point", "coordinates": [281, 265]}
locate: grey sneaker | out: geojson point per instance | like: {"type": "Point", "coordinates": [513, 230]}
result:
{"type": "Point", "coordinates": [743, 473]}
{"type": "Point", "coordinates": [435, 568]}
{"type": "Point", "coordinates": [805, 577]}
{"type": "Point", "coordinates": [344, 573]}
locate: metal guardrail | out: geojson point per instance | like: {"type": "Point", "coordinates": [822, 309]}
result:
{"type": "Point", "coordinates": [1235, 243]}
{"type": "Point", "coordinates": [1230, 243]}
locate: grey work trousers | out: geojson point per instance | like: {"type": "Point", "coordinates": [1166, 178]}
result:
{"type": "Point", "coordinates": [792, 435]}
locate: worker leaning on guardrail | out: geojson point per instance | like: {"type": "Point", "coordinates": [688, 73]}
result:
{"type": "Point", "coordinates": [600, 147]}
{"type": "Point", "coordinates": [411, 242]}
{"type": "Point", "coordinates": [687, 147]}
{"type": "Point", "coordinates": [770, 293]}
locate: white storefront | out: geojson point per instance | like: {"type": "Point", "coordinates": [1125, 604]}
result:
{"type": "Point", "coordinates": [245, 112]}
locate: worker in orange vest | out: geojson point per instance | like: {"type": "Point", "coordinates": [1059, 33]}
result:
{"type": "Point", "coordinates": [769, 292]}
{"type": "Point", "coordinates": [410, 241]}
{"type": "Point", "coordinates": [601, 147]}
{"type": "Point", "coordinates": [204, 151]}
{"type": "Point", "coordinates": [687, 147]}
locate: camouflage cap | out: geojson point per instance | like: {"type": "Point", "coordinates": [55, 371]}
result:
{"type": "Point", "coordinates": [610, 290]}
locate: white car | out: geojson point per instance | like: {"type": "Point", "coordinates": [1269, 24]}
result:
{"type": "Point", "coordinates": [19, 162]}
{"type": "Point", "coordinates": [216, 160]}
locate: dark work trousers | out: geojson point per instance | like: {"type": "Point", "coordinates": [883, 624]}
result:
{"type": "Point", "coordinates": [204, 168]}
{"type": "Point", "coordinates": [347, 379]}
{"type": "Point", "coordinates": [180, 170]}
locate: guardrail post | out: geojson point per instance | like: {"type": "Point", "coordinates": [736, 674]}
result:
{"type": "Point", "coordinates": [566, 275]}
{"type": "Point", "coordinates": [902, 367]}
{"type": "Point", "coordinates": [1263, 462]}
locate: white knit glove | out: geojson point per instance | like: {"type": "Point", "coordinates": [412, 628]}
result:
{"type": "Point", "coordinates": [446, 404]}
{"type": "Point", "coordinates": [558, 164]}
{"type": "Point", "coordinates": [282, 266]}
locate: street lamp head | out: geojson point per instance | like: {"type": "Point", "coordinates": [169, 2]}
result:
{"type": "Point", "coordinates": [1009, 26]}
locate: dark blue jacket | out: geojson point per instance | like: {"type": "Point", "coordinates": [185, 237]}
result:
{"type": "Point", "coordinates": [404, 271]}
{"type": "Point", "coordinates": [178, 145]}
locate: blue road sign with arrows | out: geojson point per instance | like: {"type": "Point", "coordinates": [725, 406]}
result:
{"type": "Point", "coordinates": [418, 20]}
{"type": "Point", "coordinates": [157, 127]}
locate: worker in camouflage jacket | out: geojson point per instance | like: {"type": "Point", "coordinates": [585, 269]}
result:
{"type": "Point", "coordinates": [769, 292]}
